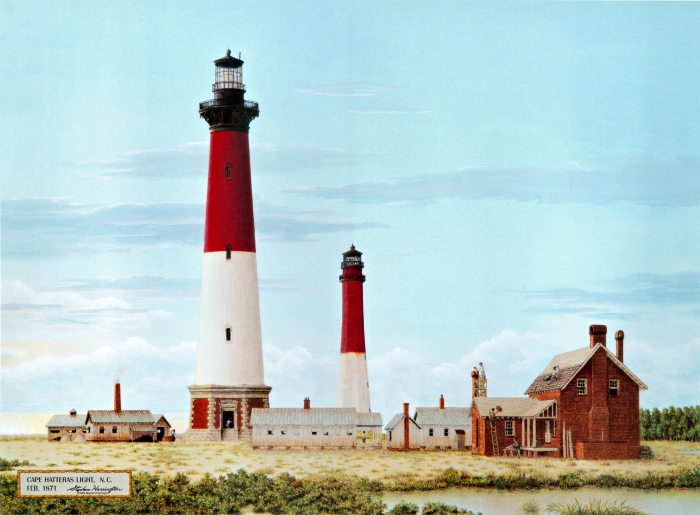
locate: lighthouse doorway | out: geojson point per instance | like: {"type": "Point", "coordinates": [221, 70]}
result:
{"type": "Point", "coordinates": [228, 419]}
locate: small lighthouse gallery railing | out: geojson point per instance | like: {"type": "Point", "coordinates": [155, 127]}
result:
{"type": "Point", "coordinates": [229, 380]}
{"type": "Point", "coordinates": [353, 383]}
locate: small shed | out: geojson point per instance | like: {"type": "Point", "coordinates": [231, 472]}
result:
{"type": "Point", "coordinates": [121, 426]}
{"type": "Point", "coordinates": [164, 431]}
{"type": "Point", "coordinates": [398, 427]}
{"type": "Point", "coordinates": [444, 428]}
{"type": "Point", "coordinates": [67, 428]}
{"type": "Point", "coordinates": [369, 429]}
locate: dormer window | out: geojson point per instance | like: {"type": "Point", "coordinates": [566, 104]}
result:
{"type": "Point", "coordinates": [228, 170]}
{"type": "Point", "coordinates": [228, 252]}
{"type": "Point", "coordinates": [614, 387]}
{"type": "Point", "coordinates": [581, 387]}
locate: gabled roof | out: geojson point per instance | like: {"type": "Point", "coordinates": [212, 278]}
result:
{"type": "Point", "coordinates": [369, 419]}
{"type": "Point", "coordinates": [66, 421]}
{"type": "Point", "coordinates": [303, 417]}
{"type": "Point", "coordinates": [570, 363]}
{"type": "Point", "coordinates": [398, 418]}
{"type": "Point", "coordinates": [123, 417]}
{"type": "Point", "coordinates": [512, 407]}
{"type": "Point", "coordinates": [158, 416]}
{"type": "Point", "coordinates": [444, 417]}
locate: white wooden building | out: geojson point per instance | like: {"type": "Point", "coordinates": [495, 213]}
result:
{"type": "Point", "coordinates": [369, 429]}
{"type": "Point", "coordinates": [396, 432]}
{"type": "Point", "coordinates": [444, 428]}
{"type": "Point", "coordinates": [304, 427]}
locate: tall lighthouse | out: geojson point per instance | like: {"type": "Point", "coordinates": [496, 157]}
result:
{"type": "Point", "coordinates": [229, 379]}
{"type": "Point", "coordinates": [353, 383]}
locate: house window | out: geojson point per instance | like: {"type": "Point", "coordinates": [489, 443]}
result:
{"type": "Point", "coordinates": [228, 252]}
{"type": "Point", "coordinates": [325, 433]}
{"type": "Point", "coordinates": [283, 431]}
{"type": "Point", "coordinates": [228, 334]}
{"type": "Point", "coordinates": [581, 387]}
{"type": "Point", "coordinates": [228, 170]}
{"type": "Point", "coordinates": [614, 388]}
{"type": "Point", "coordinates": [269, 431]}
{"type": "Point", "coordinates": [71, 430]}
{"type": "Point", "coordinates": [430, 432]}
{"type": "Point", "coordinates": [54, 430]}
{"type": "Point", "coordinates": [349, 432]}
{"type": "Point", "coordinates": [114, 429]}
{"type": "Point", "coordinates": [447, 432]}
{"type": "Point", "coordinates": [314, 431]}
{"type": "Point", "coordinates": [390, 436]}
{"type": "Point", "coordinates": [102, 429]}
{"type": "Point", "coordinates": [509, 428]}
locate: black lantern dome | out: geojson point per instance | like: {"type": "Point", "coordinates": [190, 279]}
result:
{"type": "Point", "coordinates": [228, 110]}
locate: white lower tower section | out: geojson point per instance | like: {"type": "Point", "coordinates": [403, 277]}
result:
{"type": "Point", "coordinates": [353, 383]}
{"type": "Point", "coordinates": [229, 300]}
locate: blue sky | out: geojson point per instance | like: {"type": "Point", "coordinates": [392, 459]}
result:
{"type": "Point", "coordinates": [513, 172]}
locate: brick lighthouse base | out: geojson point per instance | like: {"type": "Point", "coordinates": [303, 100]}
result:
{"type": "Point", "coordinates": [222, 413]}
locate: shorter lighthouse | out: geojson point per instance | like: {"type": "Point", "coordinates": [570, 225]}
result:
{"type": "Point", "coordinates": [353, 383]}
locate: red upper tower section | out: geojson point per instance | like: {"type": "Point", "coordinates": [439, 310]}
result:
{"type": "Point", "coordinates": [353, 330]}
{"type": "Point", "coordinates": [229, 224]}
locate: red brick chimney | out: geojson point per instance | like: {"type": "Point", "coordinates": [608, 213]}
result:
{"type": "Point", "coordinates": [442, 402]}
{"type": "Point", "coordinates": [117, 398]}
{"type": "Point", "coordinates": [597, 333]}
{"type": "Point", "coordinates": [406, 426]}
{"type": "Point", "coordinates": [307, 403]}
{"type": "Point", "coordinates": [620, 345]}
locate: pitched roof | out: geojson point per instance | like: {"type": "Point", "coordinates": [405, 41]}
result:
{"type": "Point", "coordinates": [123, 417]}
{"type": "Point", "coordinates": [66, 421]}
{"type": "Point", "coordinates": [369, 419]}
{"type": "Point", "coordinates": [516, 407]}
{"type": "Point", "coordinates": [397, 419]}
{"type": "Point", "coordinates": [158, 416]}
{"type": "Point", "coordinates": [303, 417]}
{"type": "Point", "coordinates": [570, 363]}
{"type": "Point", "coordinates": [444, 417]}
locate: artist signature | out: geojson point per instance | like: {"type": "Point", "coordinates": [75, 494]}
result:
{"type": "Point", "coordinates": [96, 489]}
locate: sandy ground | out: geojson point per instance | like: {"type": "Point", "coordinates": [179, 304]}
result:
{"type": "Point", "coordinates": [195, 459]}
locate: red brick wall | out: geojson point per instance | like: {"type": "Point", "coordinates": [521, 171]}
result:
{"type": "Point", "coordinates": [199, 413]}
{"type": "Point", "coordinates": [252, 403]}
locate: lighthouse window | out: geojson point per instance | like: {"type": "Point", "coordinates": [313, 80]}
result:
{"type": "Point", "coordinates": [228, 334]}
{"type": "Point", "coordinates": [228, 252]}
{"type": "Point", "coordinates": [228, 170]}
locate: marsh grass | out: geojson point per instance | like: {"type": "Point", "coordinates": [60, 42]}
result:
{"type": "Point", "coordinates": [594, 507]}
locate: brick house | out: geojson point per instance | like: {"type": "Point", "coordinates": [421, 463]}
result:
{"type": "Point", "coordinates": [584, 404]}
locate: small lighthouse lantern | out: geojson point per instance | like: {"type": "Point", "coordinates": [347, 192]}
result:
{"type": "Point", "coordinates": [229, 73]}
{"type": "Point", "coordinates": [352, 258]}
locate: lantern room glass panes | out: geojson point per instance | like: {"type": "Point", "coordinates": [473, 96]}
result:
{"type": "Point", "coordinates": [229, 78]}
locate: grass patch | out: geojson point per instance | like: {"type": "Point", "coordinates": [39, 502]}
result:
{"type": "Point", "coordinates": [12, 464]}
{"type": "Point", "coordinates": [594, 507]}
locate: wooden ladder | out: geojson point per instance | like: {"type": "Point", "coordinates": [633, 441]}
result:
{"type": "Point", "coordinates": [494, 439]}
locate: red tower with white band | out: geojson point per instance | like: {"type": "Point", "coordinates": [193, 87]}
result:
{"type": "Point", "coordinates": [353, 383]}
{"type": "Point", "coordinates": [229, 381]}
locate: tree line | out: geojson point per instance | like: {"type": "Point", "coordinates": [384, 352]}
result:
{"type": "Point", "coordinates": [670, 423]}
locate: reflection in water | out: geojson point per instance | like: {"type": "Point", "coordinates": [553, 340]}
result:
{"type": "Point", "coordinates": [501, 502]}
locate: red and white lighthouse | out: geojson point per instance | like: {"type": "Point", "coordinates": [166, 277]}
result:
{"type": "Point", "coordinates": [229, 380]}
{"type": "Point", "coordinates": [353, 383]}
